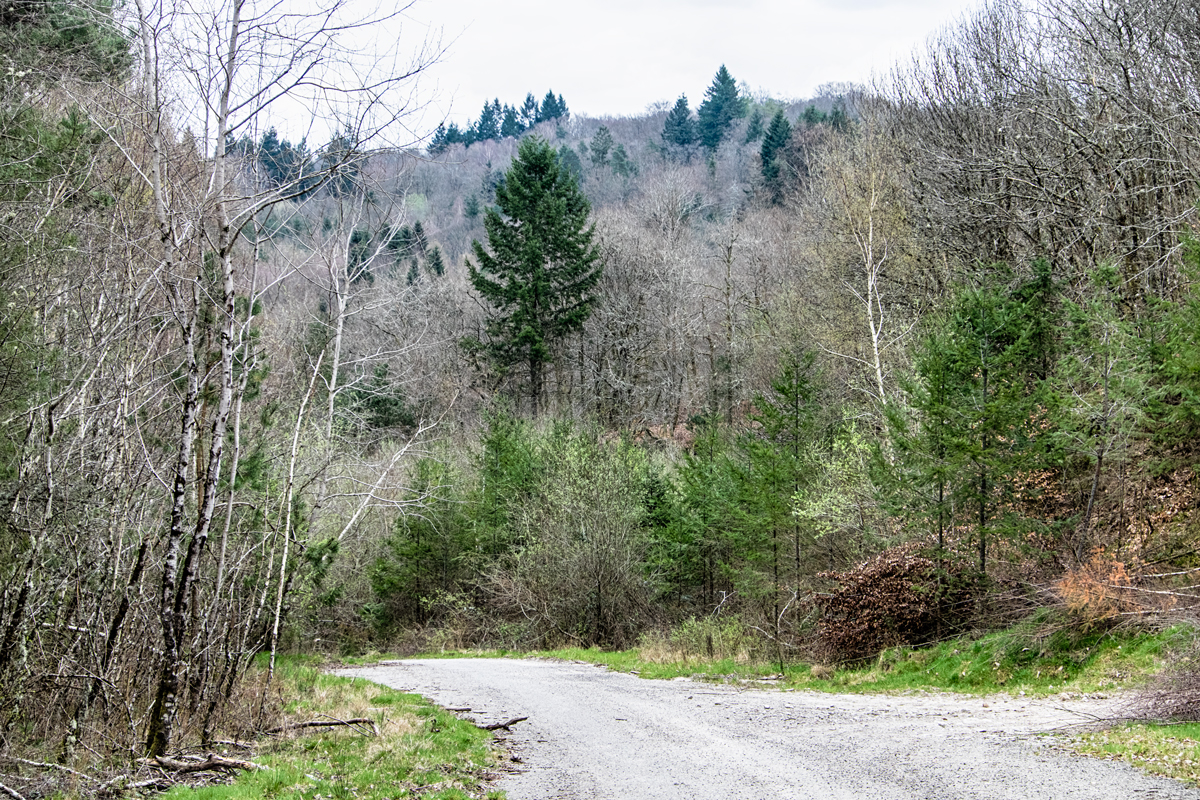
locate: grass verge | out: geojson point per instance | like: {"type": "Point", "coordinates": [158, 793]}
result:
{"type": "Point", "coordinates": [1170, 750]}
{"type": "Point", "coordinates": [1037, 658]}
{"type": "Point", "coordinates": [422, 751]}
{"type": "Point", "coordinates": [1033, 658]}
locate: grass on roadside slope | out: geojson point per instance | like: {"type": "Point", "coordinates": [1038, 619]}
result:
{"type": "Point", "coordinates": [1030, 658]}
{"type": "Point", "coordinates": [421, 750]}
{"type": "Point", "coordinates": [1035, 658]}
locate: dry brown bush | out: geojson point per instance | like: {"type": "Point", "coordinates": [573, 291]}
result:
{"type": "Point", "coordinates": [1099, 591]}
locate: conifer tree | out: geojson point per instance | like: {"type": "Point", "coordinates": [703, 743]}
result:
{"type": "Point", "coordinates": [571, 161]}
{"type": "Point", "coordinates": [722, 105]}
{"type": "Point", "coordinates": [471, 206]}
{"type": "Point", "coordinates": [488, 126]}
{"type": "Point", "coordinates": [754, 131]}
{"type": "Point", "coordinates": [772, 155]}
{"type": "Point", "coordinates": [679, 130]}
{"type": "Point", "coordinates": [435, 263]}
{"type": "Point", "coordinates": [511, 124]}
{"type": "Point", "coordinates": [776, 468]}
{"type": "Point", "coordinates": [540, 269]}
{"type": "Point", "coordinates": [444, 136]}
{"type": "Point", "coordinates": [602, 143]}
{"type": "Point", "coordinates": [622, 164]}
{"type": "Point", "coordinates": [530, 112]}
{"type": "Point", "coordinates": [419, 240]}
{"type": "Point", "coordinates": [552, 107]}
{"type": "Point", "coordinates": [978, 409]}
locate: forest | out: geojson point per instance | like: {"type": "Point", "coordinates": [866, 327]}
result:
{"type": "Point", "coordinates": [870, 368]}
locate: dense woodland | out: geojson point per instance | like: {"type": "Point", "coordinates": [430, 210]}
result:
{"type": "Point", "coordinates": [869, 368]}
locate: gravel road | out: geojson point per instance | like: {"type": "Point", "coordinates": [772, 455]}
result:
{"type": "Point", "coordinates": [594, 735]}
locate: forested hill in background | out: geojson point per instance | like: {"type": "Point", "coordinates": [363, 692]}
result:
{"type": "Point", "coordinates": [866, 369]}
{"type": "Point", "coordinates": [446, 187]}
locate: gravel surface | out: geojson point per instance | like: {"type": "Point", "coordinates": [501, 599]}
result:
{"type": "Point", "coordinates": [594, 734]}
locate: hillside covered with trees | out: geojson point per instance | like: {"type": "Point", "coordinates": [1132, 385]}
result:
{"type": "Point", "coordinates": [869, 368]}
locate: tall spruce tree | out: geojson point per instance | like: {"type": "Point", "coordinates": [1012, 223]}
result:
{"type": "Point", "coordinates": [552, 107]}
{"type": "Point", "coordinates": [722, 105]}
{"type": "Point", "coordinates": [772, 155]}
{"type": "Point", "coordinates": [542, 270]}
{"type": "Point", "coordinates": [679, 129]}
{"type": "Point", "coordinates": [488, 126]}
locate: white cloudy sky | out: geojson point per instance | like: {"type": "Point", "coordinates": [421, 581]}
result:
{"type": "Point", "coordinates": [615, 57]}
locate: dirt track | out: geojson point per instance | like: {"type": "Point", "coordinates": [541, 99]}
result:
{"type": "Point", "coordinates": [594, 735]}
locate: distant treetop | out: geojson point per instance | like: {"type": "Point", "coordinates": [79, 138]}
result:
{"type": "Point", "coordinates": [722, 105]}
{"type": "Point", "coordinates": [498, 121]}
{"type": "Point", "coordinates": [679, 129]}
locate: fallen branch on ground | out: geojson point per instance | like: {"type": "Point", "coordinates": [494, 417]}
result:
{"type": "Point", "coordinates": [13, 793]}
{"type": "Point", "coordinates": [501, 725]}
{"type": "Point", "coordinates": [331, 723]}
{"type": "Point", "coordinates": [213, 763]}
{"type": "Point", "coordinates": [43, 765]}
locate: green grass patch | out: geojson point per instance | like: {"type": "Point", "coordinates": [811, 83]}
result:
{"type": "Point", "coordinates": [422, 751]}
{"type": "Point", "coordinates": [1170, 750]}
{"type": "Point", "coordinates": [1035, 658]}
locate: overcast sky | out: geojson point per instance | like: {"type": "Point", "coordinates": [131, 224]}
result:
{"type": "Point", "coordinates": [616, 57]}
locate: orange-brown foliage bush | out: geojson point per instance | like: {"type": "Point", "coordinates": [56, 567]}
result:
{"type": "Point", "coordinates": [1102, 591]}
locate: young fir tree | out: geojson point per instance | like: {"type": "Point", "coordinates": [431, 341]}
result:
{"type": "Point", "coordinates": [530, 113]}
{"type": "Point", "coordinates": [978, 405]}
{"type": "Point", "coordinates": [924, 474]}
{"type": "Point", "coordinates": [754, 129]}
{"type": "Point", "coordinates": [697, 547]}
{"type": "Point", "coordinates": [622, 164]}
{"type": "Point", "coordinates": [435, 263]}
{"type": "Point", "coordinates": [570, 161]}
{"type": "Point", "coordinates": [419, 239]}
{"type": "Point", "coordinates": [679, 130]}
{"type": "Point", "coordinates": [1100, 387]}
{"type": "Point", "coordinates": [488, 125]}
{"type": "Point", "coordinates": [1172, 354]}
{"type": "Point", "coordinates": [775, 467]}
{"type": "Point", "coordinates": [602, 143]}
{"type": "Point", "coordinates": [722, 105]}
{"type": "Point", "coordinates": [471, 206]}
{"type": "Point", "coordinates": [776, 138]}
{"type": "Point", "coordinates": [542, 270]}
{"type": "Point", "coordinates": [552, 108]}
